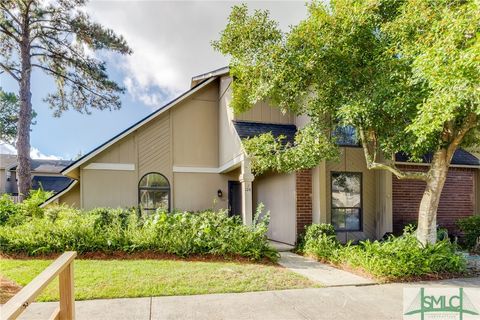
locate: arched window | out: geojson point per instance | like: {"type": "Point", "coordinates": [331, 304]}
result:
{"type": "Point", "coordinates": [153, 193]}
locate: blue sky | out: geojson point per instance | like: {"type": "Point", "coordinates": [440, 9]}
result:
{"type": "Point", "coordinates": [171, 43]}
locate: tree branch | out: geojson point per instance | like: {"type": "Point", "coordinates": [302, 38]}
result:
{"type": "Point", "coordinates": [73, 81]}
{"type": "Point", "coordinates": [12, 16]}
{"type": "Point", "coordinates": [9, 33]}
{"type": "Point", "coordinates": [469, 123]}
{"type": "Point", "coordinates": [10, 72]}
{"type": "Point", "coordinates": [373, 165]}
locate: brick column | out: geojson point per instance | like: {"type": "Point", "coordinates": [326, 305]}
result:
{"type": "Point", "coordinates": [303, 199]}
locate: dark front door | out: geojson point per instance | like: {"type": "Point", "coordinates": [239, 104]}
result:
{"type": "Point", "coordinates": [234, 198]}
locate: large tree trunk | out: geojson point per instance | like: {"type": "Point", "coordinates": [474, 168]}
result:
{"type": "Point", "coordinates": [24, 121]}
{"type": "Point", "coordinates": [427, 215]}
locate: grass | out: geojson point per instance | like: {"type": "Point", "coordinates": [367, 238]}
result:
{"type": "Point", "coordinates": [96, 279]}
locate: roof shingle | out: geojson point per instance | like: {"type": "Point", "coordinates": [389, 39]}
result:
{"type": "Point", "coordinates": [460, 157]}
{"type": "Point", "coordinates": [247, 129]}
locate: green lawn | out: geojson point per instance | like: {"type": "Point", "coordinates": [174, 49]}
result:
{"type": "Point", "coordinates": [95, 279]}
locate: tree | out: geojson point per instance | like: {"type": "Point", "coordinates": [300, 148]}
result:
{"type": "Point", "coordinates": [8, 116]}
{"type": "Point", "coordinates": [405, 74]}
{"type": "Point", "coordinates": [9, 109]}
{"type": "Point", "coordinates": [58, 38]}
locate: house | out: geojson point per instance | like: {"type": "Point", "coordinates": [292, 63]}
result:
{"type": "Point", "coordinates": [46, 174]}
{"type": "Point", "coordinates": [188, 155]}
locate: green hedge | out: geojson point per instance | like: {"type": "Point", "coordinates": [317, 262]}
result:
{"type": "Point", "coordinates": [394, 258]}
{"type": "Point", "coordinates": [471, 229]}
{"type": "Point", "coordinates": [63, 228]}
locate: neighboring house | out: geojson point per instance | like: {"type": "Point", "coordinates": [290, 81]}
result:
{"type": "Point", "coordinates": [188, 155]}
{"type": "Point", "coordinates": [46, 175]}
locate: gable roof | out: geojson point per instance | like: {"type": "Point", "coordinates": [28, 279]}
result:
{"type": "Point", "coordinates": [48, 166]}
{"type": "Point", "coordinates": [247, 129]}
{"type": "Point", "coordinates": [136, 125]}
{"type": "Point", "coordinates": [460, 157]}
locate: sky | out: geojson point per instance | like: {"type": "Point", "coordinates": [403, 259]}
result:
{"type": "Point", "coordinates": [170, 42]}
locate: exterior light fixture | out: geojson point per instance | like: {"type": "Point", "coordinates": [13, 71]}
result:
{"type": "Point", "coordinates": [219, 193]}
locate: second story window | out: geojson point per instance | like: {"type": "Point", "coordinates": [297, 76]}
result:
{"type": "Point", "coordinates": [346, 136]}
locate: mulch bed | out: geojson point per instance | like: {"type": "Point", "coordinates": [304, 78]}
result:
{"type": "Point", "coordinates": [8, 289]}
{"type": "Point", "coordinates": [144, 255]}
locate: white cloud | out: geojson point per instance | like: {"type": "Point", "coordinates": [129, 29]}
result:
{"type": "Point", "coordinates": [6, 148]}
{"type": "Point", "coordinates": [171, 40]}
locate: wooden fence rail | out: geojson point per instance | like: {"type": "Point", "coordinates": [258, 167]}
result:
{"type": "Point", "coordinates": [63, 267]}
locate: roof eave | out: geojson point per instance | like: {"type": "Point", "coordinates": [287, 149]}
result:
{"type": "Point", "coordinates": [215, 73]}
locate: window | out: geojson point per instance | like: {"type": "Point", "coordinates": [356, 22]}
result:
{"type": "Point", "coordinates": [153, 193]}
{"type": "Point", "coordinates": [346, 136]}
{"type": "Point", "coordinates": [347, 201]}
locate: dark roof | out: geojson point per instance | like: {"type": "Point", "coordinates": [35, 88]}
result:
{"type": "Point", "coordinates": [246, 129]}
{"type": "Point", "coordinates": [460, 157]}
{"type": "Point", "coordinates": [49, 166]}
{"type": "Point", "coordinates": [51, 183]}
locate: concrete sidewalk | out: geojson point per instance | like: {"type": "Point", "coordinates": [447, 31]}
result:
{"type": "Point", "coordinates": [340, 303]}
{"type": "Point", "coordinates": [321, 272]}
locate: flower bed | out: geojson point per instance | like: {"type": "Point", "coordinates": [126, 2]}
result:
{"type": "Point", "coordinates": [392, 259]}
{"type": "Point", "coordinates": [61, 228]}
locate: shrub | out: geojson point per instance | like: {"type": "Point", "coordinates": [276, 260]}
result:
{"type": "Point", "coordinates": [320, 241]}
{"type": "Point", "coordinates": [17, 213]}
{"type": "Point", "coordinates": [470, 226]}
{"type": "Point", "coordinates": [7, 208]}
{"type": "Point", "coordinates": [402, 257]}
{"type": "Point", "coordinates": [394, 258]}
{"type": "Point", "coordinates": [62, 228]}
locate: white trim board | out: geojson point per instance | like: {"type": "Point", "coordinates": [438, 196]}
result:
{"type": "Point", "coordinates": [229, 165]}
{"type": "Point", "coordinates": [110, 166]}
{"type": "Point", "coordinates": [195, 170]}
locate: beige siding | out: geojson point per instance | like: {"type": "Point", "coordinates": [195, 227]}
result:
{"type": "Point", "coordinates": [277, 193]}
{"type": "Point", "coordinates": [229, 142]}
{"type": "Point", "coordinates": [154, 147]}
{"type": "Point", "coordinates": [384, 208]}
{"type": "Point", "coordinates": [72, 197]}
{"type": "Point", "coordinates": [198, 191]}
{"type": "Point", "coordinates": [353, 160]}
{"type": "Point", "coordinates": [187, 134]}
{"type": "Point", "coordinates": [109, 188]}
{"type": "Point", "coordinates": [263, 112]}
{"type": "Point", "coordinates": [121, 152]}
{"type": "Point", "coordinates": [195, 130]}
{"type": "Point", "coordinates": [3, 181]}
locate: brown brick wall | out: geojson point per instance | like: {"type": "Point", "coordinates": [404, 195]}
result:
{"type": "Point", "coordinates": [457, 199]}
{"type": "Point", "coordinates": [303, 199]}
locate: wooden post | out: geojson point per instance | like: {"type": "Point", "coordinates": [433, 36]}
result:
{"type": "Point", "coordinates": [62, 267]}
{"type": "Point", "coordinates": [67, 295]}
